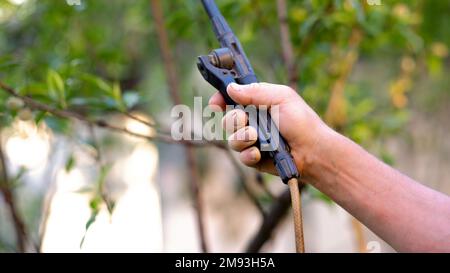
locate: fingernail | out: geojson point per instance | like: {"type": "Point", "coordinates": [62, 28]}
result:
{"type": "Point", "coordinates": [253, 155]}
{"type": "Point", "coordinates": [235, 86]}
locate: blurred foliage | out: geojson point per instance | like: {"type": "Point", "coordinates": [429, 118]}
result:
{"type": "Point", "coordinates": [94, 57]}
{"type": "Point", "coordinates": [102, 57]}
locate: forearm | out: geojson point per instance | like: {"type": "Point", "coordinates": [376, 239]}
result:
{"type": "Point", "coordinates": [406, 214]}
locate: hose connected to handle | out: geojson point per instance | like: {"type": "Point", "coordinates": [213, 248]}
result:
{"type": "Point", "coordinates": [297, 214]}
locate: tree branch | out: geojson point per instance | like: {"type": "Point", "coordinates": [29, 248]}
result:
{"type": "Point", "coordinates": [173, 83]}
{"type": "Point", "coordinates": [8, 196]}
{"type": "Point", "coordinates": [243, 177]}
{"type": "Point", "coordinates": [35, 105]}
{"type": "Point", "coordinates": [276, 213]}
{"type": "Point", "coordinates": [335, 115]}
{"type": "Point", "coordinates": [140, 120]}
{"type": "Point", "coordinates": [260, 180]}
{"type": "Point", "coordinates": [163, 40]}
{"type": "Point", "coordinates": [286, 44]}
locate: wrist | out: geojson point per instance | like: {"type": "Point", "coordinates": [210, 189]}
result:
{"type": "Point", "coordinates": [317, 154]}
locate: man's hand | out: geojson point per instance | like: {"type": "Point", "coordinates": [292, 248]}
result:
{"type": "Point", "coordinates": [298, 123]}
{"type": "Point", "coordinates": [406, 214]}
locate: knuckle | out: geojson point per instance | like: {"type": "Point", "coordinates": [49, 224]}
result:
{"type": "Point", "coordinates": [288, 90]}
{"type": "Point", "coordinates": [255, 87]}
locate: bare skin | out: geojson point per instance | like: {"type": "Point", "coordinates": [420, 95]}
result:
{"type": "Point", "coordinates": [406, 214]}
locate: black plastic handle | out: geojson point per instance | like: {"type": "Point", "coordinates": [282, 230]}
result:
{"type": "Point", "coordinates": [269, 137]}
{"type": "Point", "coordinates": [271, 141]}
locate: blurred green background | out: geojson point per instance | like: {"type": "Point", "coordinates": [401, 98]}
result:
{"type": "Point", "coordinates": [377, 73]}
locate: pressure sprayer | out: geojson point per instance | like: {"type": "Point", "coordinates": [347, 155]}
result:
{"type": "Point", "coordinates": [229, 64]}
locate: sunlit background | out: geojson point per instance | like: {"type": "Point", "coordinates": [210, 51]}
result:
{"type": "Point", "coordinates": [85, 188]}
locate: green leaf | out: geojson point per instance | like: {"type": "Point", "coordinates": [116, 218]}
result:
{"type": "Point", "coordinates": [104, 170]}
{"type": "Point", "coordinates": [7, 62]}
{"type": "Point", "coordinates": [39, 117]}
{"type": "Point", "coordinates": [70, 163]}
{"type": "Point", "coordinates": [91, 219]}
{"type": "Point", "coordinates": [95, 202]}
{"type": "Point", "coordinates": [117, 96]}
{"type": "Point", "coordinates": [98, 82]}
{"type": "Point", "coordinates": [57, 124]}
{"type": "Point", "coordinates": [307, 25]}
{"type": "Point", "coordinates": [110, 205]}
{"type": "Point", "coordinates": [89, 222]}
{"type": "Point", "coordinates": [16, 181]}
{"type": "Point", "coordinates": [56, 88]}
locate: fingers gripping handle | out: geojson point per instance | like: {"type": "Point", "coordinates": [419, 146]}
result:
{"type": "Point", "coordinates": [272, 143]}
{"type": "Point", "coordinates": [269, 138]}
{"type": "Point", "coordinates": [230, 64]}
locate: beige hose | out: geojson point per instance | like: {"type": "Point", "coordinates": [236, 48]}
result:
{"type": "Point", "coordinates": [297, 213]}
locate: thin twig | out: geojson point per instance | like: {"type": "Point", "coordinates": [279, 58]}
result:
{"type": "Point", "coordinates": [163, 40]}
{"type": "Point", "coordinates": [96, 145]}
{"type": "Point", "coordinates": [36, 105]}
{"type": "Point", "coordinates": [99, 158]}
{"type": "Point", "coordinates": [261, 181]}
{"type": "Point", "coordinates": [286, 44]}
{"type": "Point", "coordinates": [148, 123]}
{"type": "Point", "coordinates": [275, 214]}
{"type": "Point", "coordinates": [173, 83]}
{"type": "Point", "coordinates": [8, 196]}
{"type": "Point", "coordinates": [243, 177]}
{"type": "Point", "coordinates": [52, 157]}
{"type": "Point", "coordinates": [191, 161]}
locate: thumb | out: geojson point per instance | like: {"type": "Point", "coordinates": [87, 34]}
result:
{"type": "Point", "coordinates": [259, 93]}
